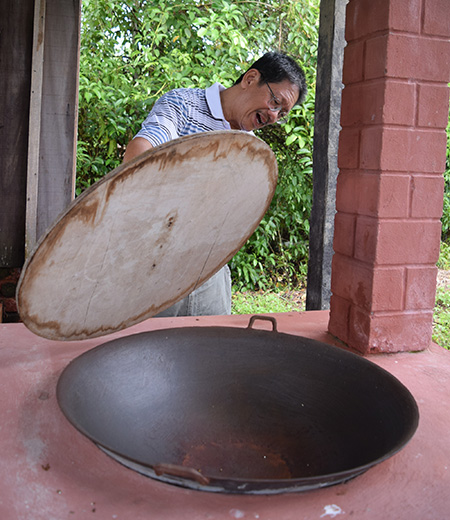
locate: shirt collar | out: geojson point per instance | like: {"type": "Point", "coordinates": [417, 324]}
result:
{"type": "Point", "coordinates": [213, 100]}
{"type": "Point", "coordinates": [215, 106]}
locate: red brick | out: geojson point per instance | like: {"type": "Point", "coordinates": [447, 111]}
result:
{"type": "Point", "coordinates": [394, 196]}
{"type": "Point", "coordinates": [405, 15]}
{"type": "Point", "coordinates": [403, 150]}
{"type": "Point", "coordinates": [436, 18]}
{"type": "Point", "coordinates": [432, 107]}
{"type": "Point", "coordinates": [368, 194]}
{"type": "Point", "coordinates": [362, 104]}
{"type": "Point", "coordinates": [347, 189]}
{"type": "Point", "coordinates": [348, 152]}
{"type": "Point", "coordinates": [357, 193]}
{"type": "Point", "coordinates": [366, 238]}
{"type": "Point", "coordinates": [352, 105]}
{"type": "Point", "coordinates": [397, 242]}
{"type": "Point", "coordinates": [353, 66]}
{"type": "Point", "coordinates": [344, 233]}
{"type": "Point", "coordinates": [391, 102]}
{"type": "Point", "coordinates": [358, 329]}
{"type": "Point", "coordinates": [401, 333]}
{"type": "Point", "coordinates": [399, 103]}
{"type": "Point", "coordinates": [352, 281]}
{"type": "Point", "coordinates": [374, 194]}
{"type": "Point", "coordinates": [427, 196]}
{"type": "Point", "coordinates": [408, 57]}
{"type": "Point", "coordinates": [375, 57]}
{"type": "Point", "coordinates": [414, 150]}
{"type": "Point", "coordinates": [339, 317]}
{"type": "Point", "coordinates": [365, 17]}
{"type": "Point", "coordinates": [418, 57]}
{"type": "Point", "coordinates": [379, 289]}
{"type": "Point", "coordinates": [388, 289]}
{"type": "Point", "coordinates": [420, 288]}
{"type": "Point", "coordinates": [407, 242]}
{"type": "Point", "coordinates": [371, 147]}
{"type": "Point", "coordinates": [396, 332]}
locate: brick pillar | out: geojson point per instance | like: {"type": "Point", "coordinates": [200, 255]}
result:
{"type": "Point", "coordinates": [390, 186]}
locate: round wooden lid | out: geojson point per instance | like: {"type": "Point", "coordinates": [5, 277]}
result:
{"type": "Point", "coordinates": [146, 235]}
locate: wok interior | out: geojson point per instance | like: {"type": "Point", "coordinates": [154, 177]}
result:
{"type": "Point", "coordinates": [237, 403]}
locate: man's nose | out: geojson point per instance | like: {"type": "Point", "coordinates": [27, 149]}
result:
{"type": "Point", "coordinates": [273, 116]}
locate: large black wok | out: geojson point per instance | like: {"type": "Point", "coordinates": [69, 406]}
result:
{"type": "Point", "coordinates": [237, 410]}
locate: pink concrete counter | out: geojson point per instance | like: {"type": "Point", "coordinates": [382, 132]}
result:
{"type": "Point", "coordinates": [50, 471]}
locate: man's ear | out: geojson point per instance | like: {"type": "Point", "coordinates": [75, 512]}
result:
{"type": "Point", "coordinates": [252, 76]}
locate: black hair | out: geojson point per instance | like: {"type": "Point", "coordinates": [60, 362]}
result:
{"type": "Point", "coordinates": [275, 67]}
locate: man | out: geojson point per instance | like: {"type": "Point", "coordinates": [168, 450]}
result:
{"type": "Point", "coordinates": [261, 96]}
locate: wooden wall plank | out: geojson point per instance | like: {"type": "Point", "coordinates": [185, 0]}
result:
{"type": "Point", "coordinates": [16, 29]}
{"type": "Point", "coordinates": [34, 134]}
{"type": "Point", "coordinates": [59, 110]}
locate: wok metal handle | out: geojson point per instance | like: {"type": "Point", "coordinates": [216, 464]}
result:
{"type": "Point", "coordinates": [181, 471]}
{"type": "Point", "coordinates": [266, 318]}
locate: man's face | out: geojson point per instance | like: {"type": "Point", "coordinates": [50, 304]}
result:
{"type": "Point", "coordinates": [253, 109]}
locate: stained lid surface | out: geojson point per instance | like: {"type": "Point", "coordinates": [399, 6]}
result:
{"type": "Point", "coordinates": [146, 235]}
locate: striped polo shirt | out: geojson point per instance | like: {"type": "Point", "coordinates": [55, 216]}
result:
{"type": "Point", "coordinates": [184, 111]}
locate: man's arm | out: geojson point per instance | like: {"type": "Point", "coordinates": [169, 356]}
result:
{"type": "Point", "coordinates": [135, 147]}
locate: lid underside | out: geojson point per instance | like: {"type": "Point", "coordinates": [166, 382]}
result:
{"type": "Point", "coordinates": [146, 235]}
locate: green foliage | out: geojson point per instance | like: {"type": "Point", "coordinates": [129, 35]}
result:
{"type": "Point", "coordinates": [441, 319]}
{"type": "Point", "coordinates": [446, 211]}
{"type": "Point", "coordinates": [444, 257]}
{"type": "Point", "coordinates": [441, 325]}
{"type": "Point", "coordinates": [133, 51]}
{"type": "Point", "coordinates": [263, 302]}
{"type": "Point", "coordinates": [277, 253]}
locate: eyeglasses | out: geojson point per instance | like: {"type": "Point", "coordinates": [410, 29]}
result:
{"type": "Point", "coordinates": [275, 106]}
